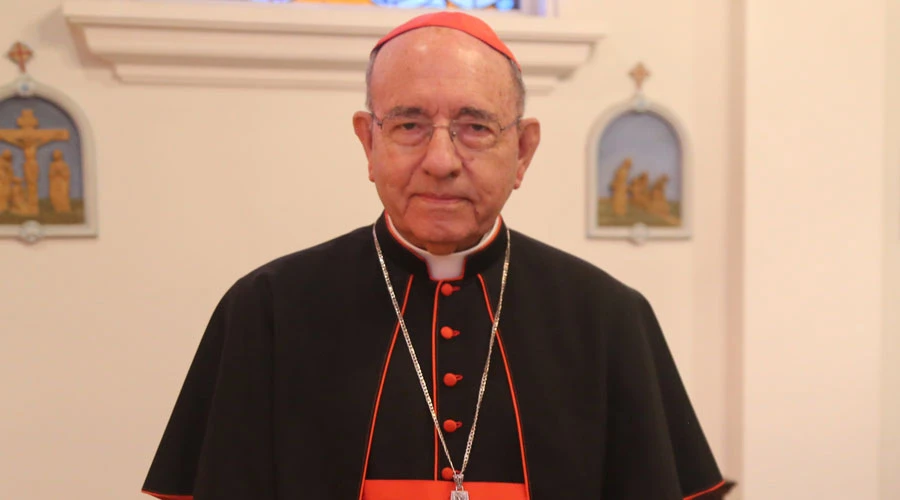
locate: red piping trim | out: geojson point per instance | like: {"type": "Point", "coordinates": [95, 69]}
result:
{"type": "Point", "coordinates": [387, 363]}
{"type": "Point", "coordinates": [167, 497]}
{"type": "Point", "coordinates": [710, 490]}
{"type": "Point", "coordinates": [512, 390]}
{"type": "Point", "coordinates": [434, 371]}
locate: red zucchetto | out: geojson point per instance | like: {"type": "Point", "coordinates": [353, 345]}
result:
{"type": "Point", "coordinates": [455, 20]}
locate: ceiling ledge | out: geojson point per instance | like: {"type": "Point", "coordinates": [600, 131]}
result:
{"type": "Point", "coordinates": [295, 45]}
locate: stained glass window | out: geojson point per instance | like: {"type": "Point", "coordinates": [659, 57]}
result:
{"type": "Point", "coordinates": [436, 4]}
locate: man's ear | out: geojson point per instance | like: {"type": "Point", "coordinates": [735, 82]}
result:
{"type": "Point", "coordinates": [362, 126]}
{"type": "Point", "coordinates": [529, 138]}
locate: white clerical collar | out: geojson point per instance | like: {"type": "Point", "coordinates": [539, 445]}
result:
{"type": "Point", "coordinates": [445, 267]}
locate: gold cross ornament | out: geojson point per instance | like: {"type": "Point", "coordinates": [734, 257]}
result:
{"type": "Point", "coordinates": [639, 74]}
{"type": "Point", "coordinates": [20, 54]}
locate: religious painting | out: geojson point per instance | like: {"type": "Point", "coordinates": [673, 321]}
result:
{"type": "Point", "coordinates": [46, 189]}
{"type": "Point", "coordinates": [637, 183]}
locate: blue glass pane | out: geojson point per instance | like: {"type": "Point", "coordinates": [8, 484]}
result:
{"type": "Point", "coordinates": [437, 4]}
{"type": "Point", "coordinates": [410, 3]}
{"type": "Point", "coordinates": [474, 4]}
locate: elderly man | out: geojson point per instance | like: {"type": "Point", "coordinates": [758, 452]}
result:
{"type": "Point", "coordinates": [435, 354]}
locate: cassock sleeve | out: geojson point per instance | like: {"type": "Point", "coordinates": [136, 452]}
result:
{"type": "Point", "coordinates": [656, 448]}
{"type": "Point", "coordinates": [218, 442]}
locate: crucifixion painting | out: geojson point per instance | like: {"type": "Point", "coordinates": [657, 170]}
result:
{"type": "Point", "coordinates": [40, 167]}
{"type": "Point", "coordinates": [43, 180]}
{"type": "Point", "coordinates": [28, 138]}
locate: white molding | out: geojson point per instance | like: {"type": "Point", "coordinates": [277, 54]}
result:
{"type": "Point", "coordinates": [248, 44]}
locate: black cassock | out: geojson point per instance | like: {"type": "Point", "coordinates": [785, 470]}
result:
{"type": "Point", "coordinates": [302, 386]}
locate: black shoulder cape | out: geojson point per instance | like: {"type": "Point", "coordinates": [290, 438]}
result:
{"type": "Point", "coordinates": [301, 388]}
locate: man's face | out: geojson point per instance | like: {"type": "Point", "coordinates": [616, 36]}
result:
{"type": "Point", "coordinates": [442, 195]}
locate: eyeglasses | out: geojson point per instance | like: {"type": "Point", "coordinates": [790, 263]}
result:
{"type": "Point", "coordinates": [474, 134]}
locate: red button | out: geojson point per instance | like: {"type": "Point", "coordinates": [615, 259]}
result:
{"type": "Point", "coordinates": [448, 333]}
{"type": "Point", "coordinates": [447, 289]}
{"type": "Point", "coordinates": [451, 425]}
{"type": "Point", "coordinates": [447, 474]}
{"type": "Point", "coordinates": [451, 379]}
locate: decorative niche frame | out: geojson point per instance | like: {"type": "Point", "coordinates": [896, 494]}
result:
{"type": "Point", "coordinates": [59, 136]}
{"type": "Point", "coordinates": [638, 172]}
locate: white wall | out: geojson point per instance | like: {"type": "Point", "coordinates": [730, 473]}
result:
{"type": "Point", "coordinates": [686, 46]}
{"type": "Point", "coordinates": [773, 320]}
{"type": "Point", "coordinates": [813, 247]}
{"type": "Point", "coordinates": [890, 365]}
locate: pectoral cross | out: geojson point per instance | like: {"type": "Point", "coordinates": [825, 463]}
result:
{"type": "Point", "coordinates": [459, 493]}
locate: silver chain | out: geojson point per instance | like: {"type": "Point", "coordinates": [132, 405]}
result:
{"type": "Point", "coordinates": [415, 359]}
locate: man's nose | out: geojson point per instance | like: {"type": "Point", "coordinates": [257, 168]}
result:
{"type": "Point", "coordinates": [441, 156]}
